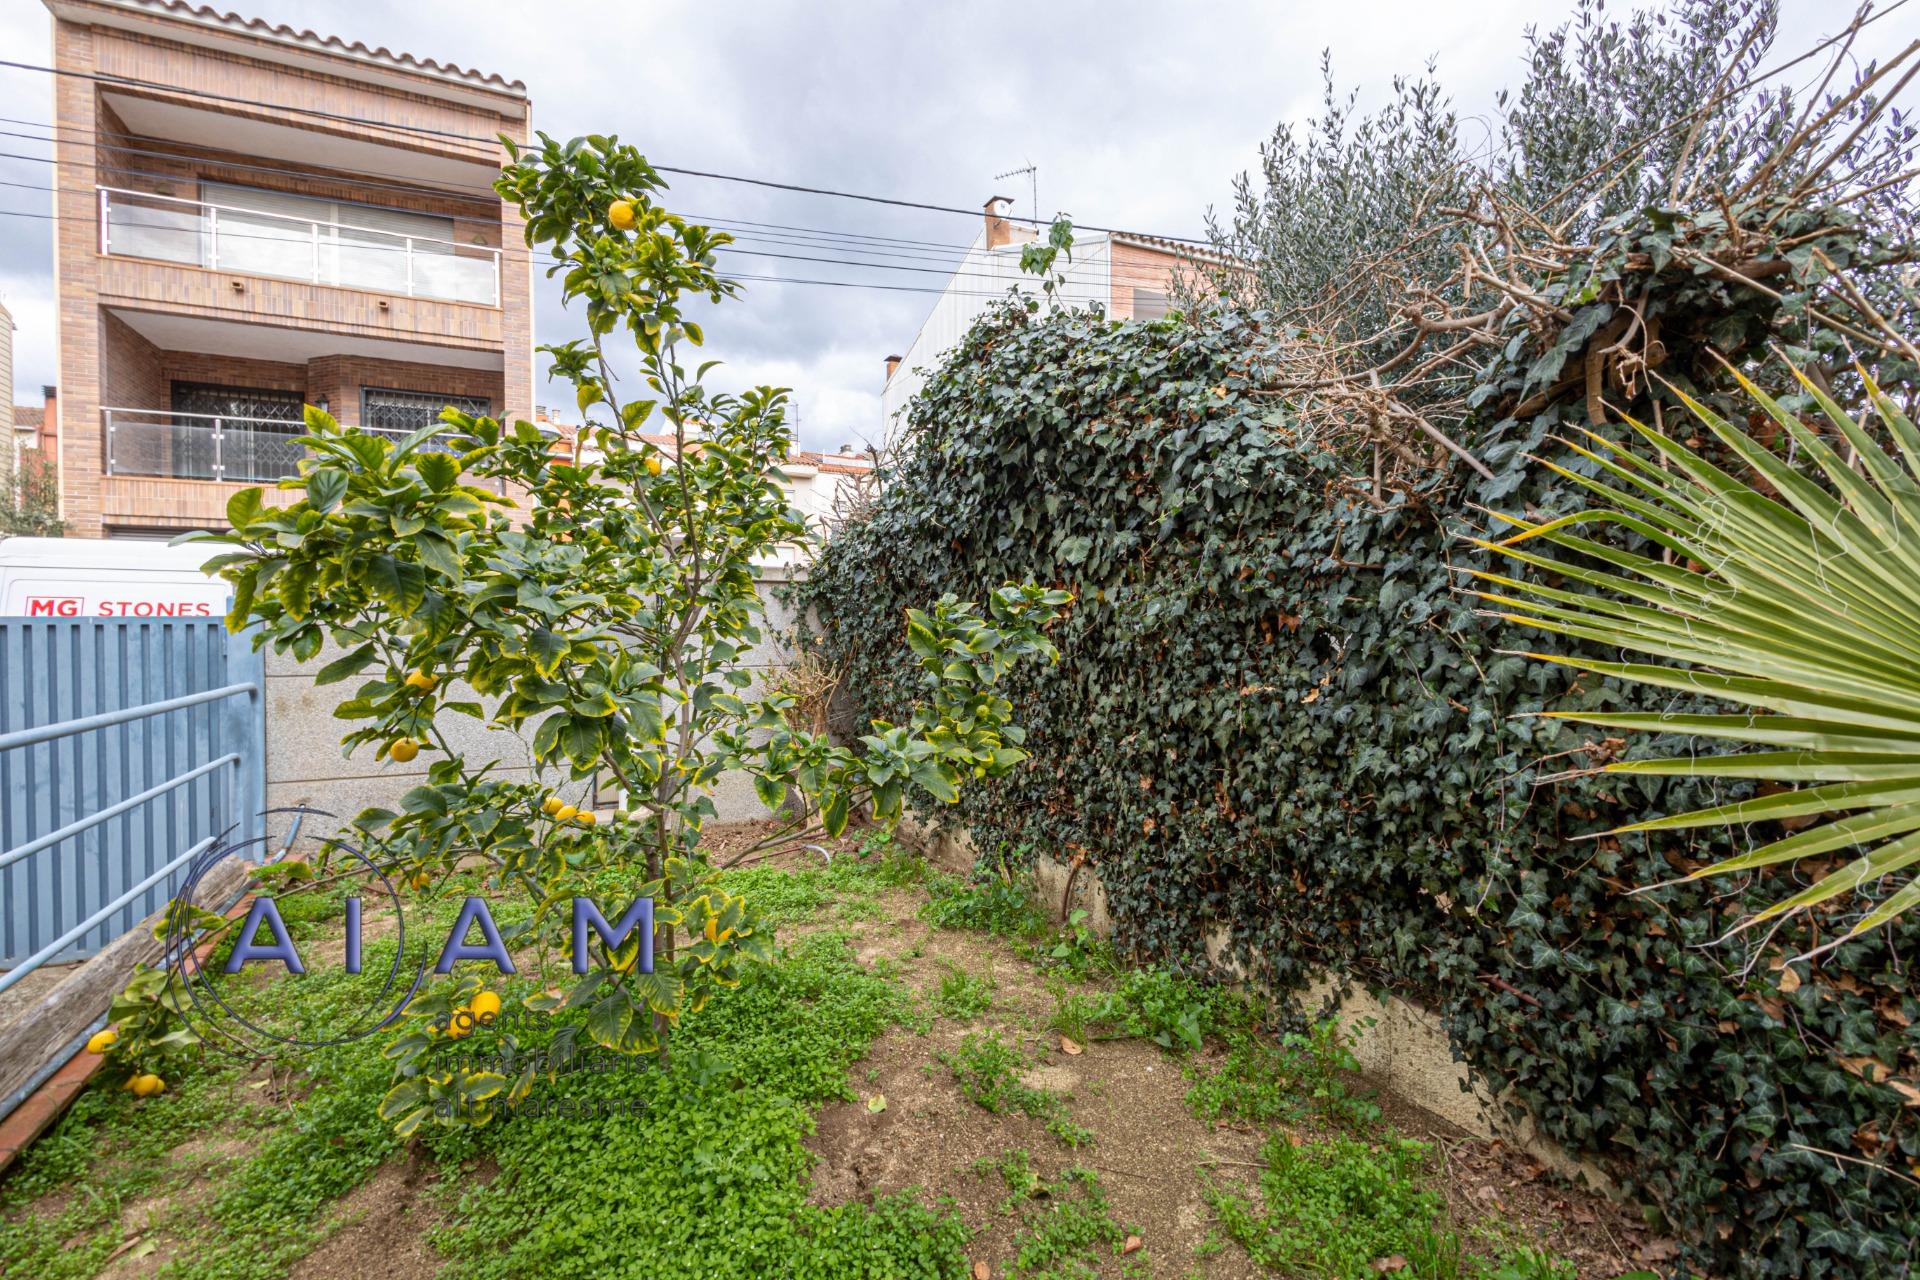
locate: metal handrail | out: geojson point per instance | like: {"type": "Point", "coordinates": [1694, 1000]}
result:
{"type": "Point", "coordinates": [128, 805]}
{"type": "Point", "coordinates": [223, 432]}
{"type": "Point", "coordinates": [453, 248]}
{"type": "Point", "coordinates": [101, 916]}
{"type": "Point", "coordinates": [209, 417]}
{"type": "Point", "coordinates": [48, 732]}
{"type": "Point", "coordinates": [396, 432]}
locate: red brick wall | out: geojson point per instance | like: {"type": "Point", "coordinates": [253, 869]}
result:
{"type": "Point", "coordinates": [1140, 267]}
{"type": "Point", "coordinates": [103, 362]}
{"type": "Point", "coordinates": [132, 375]}
{"type": "Point", "coordinates": [340, 379]}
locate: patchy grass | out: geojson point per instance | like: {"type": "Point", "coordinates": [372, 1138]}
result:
{"type": "Point", "coordinates": [1262, 1080]}
{"type": "Point", "coordinates": [991, 905]}
{"type": "Point", "coordinates": [712, 1164]}
{"type": "Point", "coordinates": [964, 995]}
{"type": "Point", "coordinates": [988, 1071]}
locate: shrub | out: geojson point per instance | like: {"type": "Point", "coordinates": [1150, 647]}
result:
{"type": "Point", "coordinates": [1275, 713]}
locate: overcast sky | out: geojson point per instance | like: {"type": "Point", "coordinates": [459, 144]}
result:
{"type": "Point", "coordinates": [1137, 115]}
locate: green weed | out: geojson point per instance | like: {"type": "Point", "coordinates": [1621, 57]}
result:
{"type": "Point", "coordinates": [1172, 1010]}
{"type": "Point", "coordinates": [963, 996]}
{"type": "Point", "coordinates": [1263, 1080]}
{"type": "Point", "coordinates": [1067, 1227]}
{"type": "Point", "coordinates": [1331, 1207]}
{"type": "Point", "coordinates": [991, 905]}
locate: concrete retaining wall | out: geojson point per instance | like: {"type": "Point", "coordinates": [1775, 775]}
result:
{"type": "Point", "coordinates": [305, 763]}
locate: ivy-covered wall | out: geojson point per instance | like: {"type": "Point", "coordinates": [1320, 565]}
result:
{"type": "Point", "coordinates": [1276, 711]}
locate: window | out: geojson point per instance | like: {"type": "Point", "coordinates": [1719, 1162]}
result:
{"type": "Point", "coordinates": [229, 433]}
{"type": "Point", "coordinates": [1149, 304]}
{"type": "Point", "coordinates": [358, 246]}
{"type": "Point", "coordinates": [237, 402]}
{"type": "Point", "coordinates": [384, 409]}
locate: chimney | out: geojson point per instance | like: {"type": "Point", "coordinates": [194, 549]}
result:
{"type": "Point", "coordinates": [999, 230]}
{"type": "Point", "coordinates": [50, 420]}
{"type": "Point", "coordinates": [893, 362]}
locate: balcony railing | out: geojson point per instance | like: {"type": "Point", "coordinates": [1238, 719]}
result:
{"type": "Point", "coordinates": [221, 237]}
{"type": "Point", "coordinates": [206, 446]}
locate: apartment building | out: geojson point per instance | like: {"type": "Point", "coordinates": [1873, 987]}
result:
{"type": "Point", "coordinates": [1129, 276]}
{"type": "Point", "coordinates": [254, 218]}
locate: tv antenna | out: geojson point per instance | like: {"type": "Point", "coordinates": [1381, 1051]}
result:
{"type": "Point", "coordinates": [1031, 172]}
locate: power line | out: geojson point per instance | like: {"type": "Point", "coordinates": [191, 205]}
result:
{"type": "Point", "coordinates": [1083, 273]}
{"type": "Point", "coordinates": [356, 247]}
{"type": "Point", "coordinates": [811, 237]}
{"type": "Point", "coordinates": [426, 131]}
{"type": "Point", "coordinates": [359, 178]}
{"type": "Point", "coordinates": [805, 237]}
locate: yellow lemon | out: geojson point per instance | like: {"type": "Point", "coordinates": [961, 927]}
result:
{"type": "Point", "coordinates": [403, 749]}
{"type": "Point", "coordinates": [587, 819]}
{"type": "Point", "coordinates": [653, 466]}
{"type": "Point", "coordinates": [485, 1005]}
{"type": "Point", "coordinates": [422, 681]}
{"type": "Point", "coordinates": [620, 214]}
{"type": "Point", "coordinates": [145, 1086]}
{"type": "Point", "coordinates": [551, 805]}
{"type": "Point", "coordinates": [566, 813]}
{"type": "Point", "coordinates": [101, 1041]}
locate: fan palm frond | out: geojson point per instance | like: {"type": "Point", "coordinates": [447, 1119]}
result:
{"type": "Point", "coordinates": [1796, 599]}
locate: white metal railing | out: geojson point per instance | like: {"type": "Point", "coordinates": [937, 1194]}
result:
{"type": "Point", "coordinates": [206, 446]}
{"type": "Point", "coordinates": [224, 237]}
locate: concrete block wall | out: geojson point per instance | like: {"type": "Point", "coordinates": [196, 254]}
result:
{"type": "Point", "coordinates": [305, 763]}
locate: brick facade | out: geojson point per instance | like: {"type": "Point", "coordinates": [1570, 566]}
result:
{"type": "Point", "coordinates": [227, 328]}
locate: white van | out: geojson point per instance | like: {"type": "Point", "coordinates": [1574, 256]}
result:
{"type": "Point", "coordinates": [108, 578]}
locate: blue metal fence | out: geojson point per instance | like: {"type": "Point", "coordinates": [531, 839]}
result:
{"type": "Point", "coordinates": [127, 746]}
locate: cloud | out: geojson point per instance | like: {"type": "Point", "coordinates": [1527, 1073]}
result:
{"type": "Point", "coordinates": [1136, 115]}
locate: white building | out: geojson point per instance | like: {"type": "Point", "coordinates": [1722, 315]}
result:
{"type": "Point", "coordinates": [1129, 276]}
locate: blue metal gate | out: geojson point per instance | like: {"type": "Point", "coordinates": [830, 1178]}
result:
{"type": "Point", "coordinates": [127, 746]}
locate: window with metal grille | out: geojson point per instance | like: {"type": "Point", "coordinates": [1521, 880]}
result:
{"type": "Point", "coordinates": [385, 409]}
{"type": "Point", "coordinates": [227, 433]}
{"type": "Point", "coordinates": [237, 402]}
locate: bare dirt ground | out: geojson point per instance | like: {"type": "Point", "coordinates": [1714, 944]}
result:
{"type": "Point", "coordinates": [1149, 1150]}
{"type": "Point", "coordinates": [379, 1230]}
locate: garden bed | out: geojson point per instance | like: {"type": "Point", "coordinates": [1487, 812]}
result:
{"type": "Point", "coordinates": [895, 1096]}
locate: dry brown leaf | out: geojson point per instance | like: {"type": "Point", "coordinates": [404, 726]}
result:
{"type": "Point", "coordinates": [981, 1271]}
{"type": "Point", "coordinates": [1132, 1245]}
{"type": "Point", "coordinates": [1392, 1262]}
{"type": "Point", "coordinates": [1789, 981]}
{"type": "Point", "coordinates": [1908, 1090]}
{"type": "Point", "coordinates": [1870, 1069]}
{"type": "Point", "coordinates": [1071, 1047]}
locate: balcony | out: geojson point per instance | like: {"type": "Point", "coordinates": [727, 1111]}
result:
{"type": "Point", "coordinates": [206, 446]}
{"type": "Point", "coordinates": [286, 246]}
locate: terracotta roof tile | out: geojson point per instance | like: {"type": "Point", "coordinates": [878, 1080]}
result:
{"type": "Point", "coordinates": [265, 30]}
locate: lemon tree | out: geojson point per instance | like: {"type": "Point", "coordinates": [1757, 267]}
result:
{"type": "Point", "coordinates": [602, 611]}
